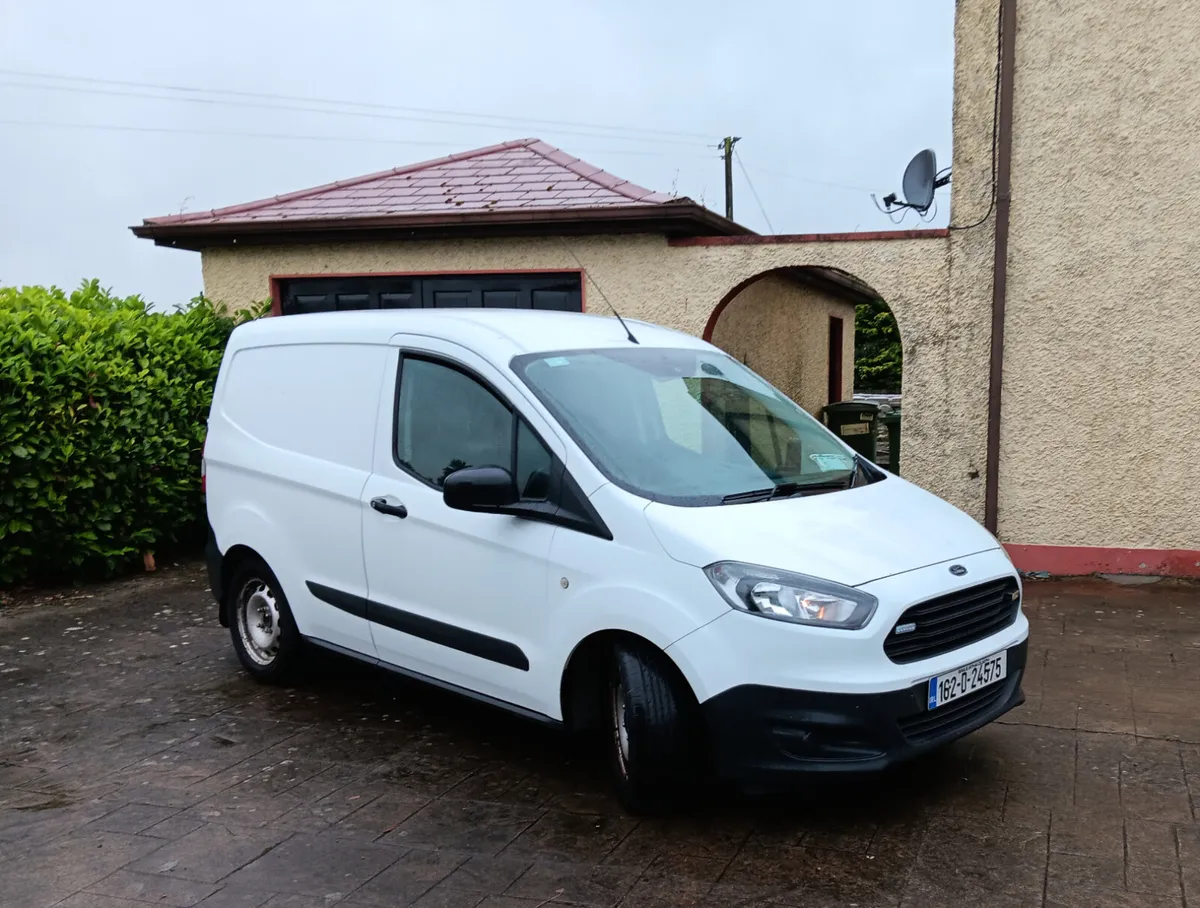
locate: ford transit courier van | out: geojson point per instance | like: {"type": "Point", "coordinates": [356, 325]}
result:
{"type": "Point", "coordinates": [643, 539]}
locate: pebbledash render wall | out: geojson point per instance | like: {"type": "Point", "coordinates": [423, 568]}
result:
{"type": "Point", "coordinates": [1099, 436]}
{"type": "Point", "coordinates": [774, 306]}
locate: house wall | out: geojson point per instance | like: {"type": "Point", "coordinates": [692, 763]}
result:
{"type": "Point", "coordinates": [775, 307]}
{"type": "Point", "coordinates": [1099, 433]}
{"type": "Point", "coordinates": [626, 266]}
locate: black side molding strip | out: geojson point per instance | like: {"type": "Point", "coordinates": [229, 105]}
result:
{"type": "Point", "coordinates": [465, 641]}
{"type": "Point", "coordinates": [458, 638]}
{"type": "Point", "coordinates": [521, 711]}
{"type": "Point", "coordinates": [347, 602]}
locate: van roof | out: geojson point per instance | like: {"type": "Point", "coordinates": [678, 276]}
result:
{"type": "Point", "coordinates": [502, 333]}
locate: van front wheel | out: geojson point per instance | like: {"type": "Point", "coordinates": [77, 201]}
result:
{"type": "Point", "coordinates": [264, 632]}
{"type": "Point", "coordinates": [651, 731]}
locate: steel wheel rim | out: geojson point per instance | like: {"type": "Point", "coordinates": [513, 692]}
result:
{"type": "Point", "coordinates": [258, 622]}
{"type": "Point", "coordinates": [620, 728]}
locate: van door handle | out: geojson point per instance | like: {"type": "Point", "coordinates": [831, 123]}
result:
{"type": "Point", "coordinates": [392, 510]}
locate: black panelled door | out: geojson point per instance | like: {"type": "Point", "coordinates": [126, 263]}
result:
{"type": "Point", "coordinates": [560, 292]}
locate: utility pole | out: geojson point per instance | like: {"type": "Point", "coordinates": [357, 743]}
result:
{"type": "Point", "coordinates": [727, 152]}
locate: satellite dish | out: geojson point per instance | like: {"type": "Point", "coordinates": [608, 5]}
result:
{"type": "Point", "coordinates": [918, 180]}
{"type": "Point", "coordinates": [921, 179]}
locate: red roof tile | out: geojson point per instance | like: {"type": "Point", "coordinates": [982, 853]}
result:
{"type": "Point", "coordinates": [525, 174]}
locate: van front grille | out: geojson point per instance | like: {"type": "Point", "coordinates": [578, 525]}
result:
{"type": "Point", "coordinates": [953, 621]}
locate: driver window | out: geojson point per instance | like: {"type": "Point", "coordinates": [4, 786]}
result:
{"type": "Point", "coordinates": [533, 465]}
{"type": "Point", "coordinates": [446, 421]}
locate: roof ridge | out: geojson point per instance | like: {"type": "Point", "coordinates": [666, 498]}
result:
{"type": "Point", "coordinates": [339, 184]}
{"type": "Point", "coordinates": [590, 172]}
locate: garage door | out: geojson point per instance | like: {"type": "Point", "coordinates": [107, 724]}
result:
{"type": "Point", "coordinates": [560, 292]}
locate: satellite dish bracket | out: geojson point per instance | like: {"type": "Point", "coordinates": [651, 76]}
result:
{"type": "Point", "coordinates": [920, 181]}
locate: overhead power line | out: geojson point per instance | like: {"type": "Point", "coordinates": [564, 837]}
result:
{"type": "Point", "coordinates": [263, 105]}
{"type": "Point", "coordinates": [121, 127]}
{"type": "Point", "coordinates": [753, 191]}
{"type": "Point", "coordinates": [193, 93]}
{"type": "Point", "coordinates": [340, 138]}
{"type": "Point", "coordinates": [791, 176]}
{"type": "Point", "coordinates": [368, 110]}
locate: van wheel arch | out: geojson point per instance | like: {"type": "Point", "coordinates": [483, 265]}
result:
{"type": "Point", "coordinates": [620, 683]}
{"type": "Point", "coordinates": [231, 562]}
{"type": "Point", "coordinates": [585, 677]}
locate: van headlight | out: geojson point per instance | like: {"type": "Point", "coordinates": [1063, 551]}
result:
{"type": "Point", "coordinates": [785, 596]}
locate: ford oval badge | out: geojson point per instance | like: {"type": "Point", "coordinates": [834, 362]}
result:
{"type": "Point", "coordinates": [957, 570]}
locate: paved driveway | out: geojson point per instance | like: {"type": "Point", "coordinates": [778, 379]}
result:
{"type": "Point", "coordinates": [139, 765]}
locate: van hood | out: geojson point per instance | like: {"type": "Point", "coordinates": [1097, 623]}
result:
{"type": "Point", "coordinates": [850, 537]}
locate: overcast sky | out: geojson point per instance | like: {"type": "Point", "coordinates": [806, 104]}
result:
{"type": "Point", "coordinates": [830, 99]}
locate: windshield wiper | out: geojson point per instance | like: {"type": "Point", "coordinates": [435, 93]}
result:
{"type": "Point", "coordinates": [788, 489]}
{"type": "Point", "coordinates": [837, 484]}
{"type": "Point", "coordinates": [783, 490]}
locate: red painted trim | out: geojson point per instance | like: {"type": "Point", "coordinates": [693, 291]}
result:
{"type": "Point", "coordinates": [783, 239]}
{"type": "Point", "coordinates": [1081, 560]}
{"type": "Point", "coordinates": [835, 359]}
{"type": "Point", "coordinates": [318, 274]}
{"type": "Point", "coordinates": [715, 315]}
{"type": "Point", "coordinates": [276, 298]}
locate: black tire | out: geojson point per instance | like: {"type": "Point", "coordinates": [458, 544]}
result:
{"type": "Point", "coordinates": [277, 664]}
{"type": "Point", "coordinates": [656, 762]}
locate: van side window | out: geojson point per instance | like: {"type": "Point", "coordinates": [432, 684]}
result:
{"type": "Point", "coordinates": [533, 465]}
{"type": "Point", "coordinates": [446, 420]}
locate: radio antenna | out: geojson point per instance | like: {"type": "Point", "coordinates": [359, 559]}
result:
{"type": "Point", "coordinates": [600, 290]}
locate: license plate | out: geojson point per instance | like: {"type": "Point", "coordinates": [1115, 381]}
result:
{"type": "Point", "coordinates": [948, 687]}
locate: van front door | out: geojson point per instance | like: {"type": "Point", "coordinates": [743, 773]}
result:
{"type": "Point", "coordinates": [455, 595]}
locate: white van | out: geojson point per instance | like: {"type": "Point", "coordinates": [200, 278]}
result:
{"type": "Point", "coordinates": [627, 532]}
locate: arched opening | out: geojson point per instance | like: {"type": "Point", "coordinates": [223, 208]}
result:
{"type": "Point", "coordinates": [818, 334]}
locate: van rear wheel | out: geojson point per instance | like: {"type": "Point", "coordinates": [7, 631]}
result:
{"type": "Point", "coordinates": [264, 633]}
{"type": "Point", "coordinates": [652, 731]}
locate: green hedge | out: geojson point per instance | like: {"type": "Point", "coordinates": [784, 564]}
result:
{"type": "Point", "coordinates": [102, 417]}
{"type": "Point", "coordinates": [878, 365]}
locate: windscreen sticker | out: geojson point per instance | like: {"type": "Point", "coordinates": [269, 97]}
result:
{"type": "Point", "coordinates": [830, 462]}
{"type": "Point", "coordinates": [556, 361]}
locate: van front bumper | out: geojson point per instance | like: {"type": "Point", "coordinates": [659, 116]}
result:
{"type": "Point", "coordinates": [764, 736]}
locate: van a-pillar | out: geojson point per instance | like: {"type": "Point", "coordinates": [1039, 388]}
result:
{"type": "Point", "coordinates": [1003, 190]}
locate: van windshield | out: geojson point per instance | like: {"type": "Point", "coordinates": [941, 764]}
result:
{"type": "Point", "coordinates": [691, 427]}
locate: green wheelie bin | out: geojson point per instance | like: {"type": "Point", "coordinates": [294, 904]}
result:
{"type": "Point", "coordinates": [855, 423]}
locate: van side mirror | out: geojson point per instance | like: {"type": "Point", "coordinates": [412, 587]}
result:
{"type": "Point", "coordinates": [479, 489]}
